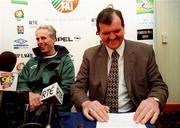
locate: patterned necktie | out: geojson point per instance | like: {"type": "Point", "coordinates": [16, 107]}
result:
{"type": "Point", "coordinates": [112, 84]}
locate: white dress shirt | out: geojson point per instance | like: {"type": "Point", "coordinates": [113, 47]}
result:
{"type": "Point", "coordinates": [124, 102]}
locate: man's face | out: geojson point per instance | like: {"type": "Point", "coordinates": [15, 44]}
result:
{"type": "Point", "coordinates": [112, 35]}
{"type": "Point", "coordinates": [45, 42]}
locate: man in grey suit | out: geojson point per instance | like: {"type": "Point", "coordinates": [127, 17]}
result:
{"type": "Point", "coordinates": [140, 87]}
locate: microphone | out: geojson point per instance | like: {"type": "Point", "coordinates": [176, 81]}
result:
{"type": "Point", "coordinates": [12, 102]}
{"type": "Point", "coordinates": [8, 79]}
{"type": "Point", "coordinates": [7, 61]}
{"type": "Point", "coordinates": [53, 94]}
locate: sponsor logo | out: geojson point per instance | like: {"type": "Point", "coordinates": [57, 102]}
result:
{"type": "Point", "coordinates": [6, 79]}
{"type": "Point", "coordinates": [77, 38]}
{"type": "Point", "coordinates": [20, 44]}
{"type": "Point", "coordinates": [144, 6]}
{"type": "Point", "coordinates": [20, 29]}
{"type": "Point", "coordinates": [65, 6]}
{"type": "Point", "coordinates": [19, 15]}
{"type": "Point", "coordinates": [20, 66]}
{"type": "Point", "coordinates": [69, 39]}
{"type": "Point", "coordinates": [20, 41]}
{"type": "Point", "coordinates": [33, 23]}
{"type": "Point", "coordinates": [19, 2]}
{"type": "Point", "coordinates": [24, 55]}
{"type": "Point", "coordinates": [64, 39]}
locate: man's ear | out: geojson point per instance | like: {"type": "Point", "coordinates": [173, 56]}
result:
{"type": "Point", "coordinates": [55, 39]}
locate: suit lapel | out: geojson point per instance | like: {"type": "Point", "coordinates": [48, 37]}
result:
{"type": "Point", "coordinates": [129, 60]}
{"type": "Point", "coordinates": [102, 67]}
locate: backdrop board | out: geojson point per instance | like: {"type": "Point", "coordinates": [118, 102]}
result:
{"type": "Point", "coordinates": [74, 21]}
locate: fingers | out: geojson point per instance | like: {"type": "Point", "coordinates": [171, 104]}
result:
{"type": "Point", "coordinates": [143, 119]}
{"type": "Point", "coordinates": [154, 118]}
{"type": "Point", "coordinates": [106, 109]}
{"type": "Point", "coordinates": [87, 115]}
{"type": "Point", "coordinates": [95, 111]}
{"type": "Point", "coordinates": [147, 110]}
{"type": "Point", "coordinates": [97, 115]}
{"type": "Point", "coordinates": [34, 104]}
{"type": "Point", "coordinates": [139, 115]}
{"type": "Point", "coordinates": [34, 101]}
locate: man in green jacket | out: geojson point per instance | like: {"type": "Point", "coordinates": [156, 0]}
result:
{"type": "Point", "coordinates": [51, 64]}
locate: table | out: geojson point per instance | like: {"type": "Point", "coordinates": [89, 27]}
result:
{"type": "Point", "coordinates": [12, 113]}
{"type": "Point", "coordinates": [77, 120]}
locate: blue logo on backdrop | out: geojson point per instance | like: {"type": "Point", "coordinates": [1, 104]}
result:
{"type": "Point", "coordinates": [20, 44]}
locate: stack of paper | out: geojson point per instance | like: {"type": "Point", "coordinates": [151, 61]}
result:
{"type": "Point", "coordinates": [120, 120]}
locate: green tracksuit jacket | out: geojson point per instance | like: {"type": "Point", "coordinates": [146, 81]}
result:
{"type": "Point", "coordinates": [40, 72]}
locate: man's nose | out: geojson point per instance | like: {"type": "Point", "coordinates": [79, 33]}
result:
{"type": "Point", "coordinates": [112, 35]}
{"type": "Point", "coordinates": [39, 41]}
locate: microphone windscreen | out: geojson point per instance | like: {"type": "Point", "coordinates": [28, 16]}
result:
{"type": "Point", "coordinates": [7, 61]}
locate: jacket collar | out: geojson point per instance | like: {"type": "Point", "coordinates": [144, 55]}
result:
{"type": "Point", "coordinates": [60, 49]}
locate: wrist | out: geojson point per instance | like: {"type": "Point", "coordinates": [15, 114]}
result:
{"type": "Point", "coordinates": [156, 99]}
{"type": "Point", "coordinates": [85, 103]}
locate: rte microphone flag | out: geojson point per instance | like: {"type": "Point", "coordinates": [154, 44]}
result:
{"type": "Point", "coordinates": [8, 81]}
{"type": "Point", "coordinates": [52, 93]}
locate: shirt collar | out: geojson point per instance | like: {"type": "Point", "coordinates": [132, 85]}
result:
{"type": "Point", "coordinates": [51, 55]}
{"type": "Point", "coordinates": [119, 50]}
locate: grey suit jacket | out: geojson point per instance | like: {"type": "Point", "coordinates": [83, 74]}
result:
{"type": "Point", "coordinates": [141, 75]}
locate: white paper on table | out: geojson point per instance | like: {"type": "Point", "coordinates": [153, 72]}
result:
{"type": "Point", "coordinates": [120, 120]}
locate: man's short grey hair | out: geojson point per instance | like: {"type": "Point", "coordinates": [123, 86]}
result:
{"type": "Point", "coordinates": [50, 28]}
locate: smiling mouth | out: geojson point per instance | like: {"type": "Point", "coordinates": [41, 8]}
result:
{"type": "Point", "coordinates": [112, 42]}
{"type": "Point", "coordinates": [41, 48]}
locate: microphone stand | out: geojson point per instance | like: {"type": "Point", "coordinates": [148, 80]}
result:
{"type": "Point", "coordinates": [50, 116]}
{"type": "Point", "coordinates": [31, 124]}
{"type": "Point", "coordinates": [51, 108]}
